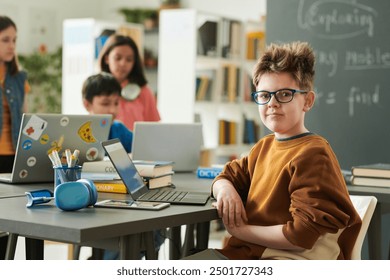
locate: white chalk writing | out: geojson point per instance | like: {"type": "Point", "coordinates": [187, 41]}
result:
{"type": "Point", "coordinates": [337, 19]}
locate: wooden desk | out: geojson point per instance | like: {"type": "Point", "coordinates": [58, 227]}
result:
{"type": "Point", "coordinates": [375, 229]}
{"type": "Point", "coordinates": [88, 225]}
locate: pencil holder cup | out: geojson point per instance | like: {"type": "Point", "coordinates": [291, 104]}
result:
{"type": "Point", "coordinates": [65, 174]}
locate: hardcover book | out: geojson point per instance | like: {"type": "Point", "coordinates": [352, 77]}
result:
{"type": "Point", "coordinates": [159, 182]}
{"type": "Point", "coordinates": [370, 181]}
{"type": "Point", "coordinates": [113, 186]}
{"type": "Point", "coordinates": [208, 172]}
{"type": "Point", "coordinates": [148, 168]}
{"type": "Point", "coordinates": [101, 170]}
{"type": "Point", "coordinates": [378, 170]}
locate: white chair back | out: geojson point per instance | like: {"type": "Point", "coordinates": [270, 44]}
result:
{"type": "Point", "coordinates": [365, 206]}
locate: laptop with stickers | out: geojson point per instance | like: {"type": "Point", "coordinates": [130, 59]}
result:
{"type": "Point", "coordinates": [40, 134]}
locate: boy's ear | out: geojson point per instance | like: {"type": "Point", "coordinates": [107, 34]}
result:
{"type": "Point", "coordinates": [86, 104]}
{"type": "Point", "coordinates": [309, 101]}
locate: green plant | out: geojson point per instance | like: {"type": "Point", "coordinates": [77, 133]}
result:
{"type": "Point", "coordinates": [45, 77]}
{"type": "Point", "coordinates": [138, 15]}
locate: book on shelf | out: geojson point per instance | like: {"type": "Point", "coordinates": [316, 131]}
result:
{"type": "Point", "coordinates": [159, 182]}
{"type": "Point", "coordinates": [255, 42]}
{"type": "Point", "coordinates": [203, 84]}
{"type": "Point", "coordinates": [231, 75]}
{"type": "Point", "coordinates": [110, 186]}
{"type": "Point", "coordinates": [379, 170]}
{"type": "Point", "coordinates": [208, 38]}
{"type": "Point", "coordinates": [227, 132]}
{"type": "Point", "coordinates": [104, 169]}
{"type": "Point", "coordinates": [370, 181]}
{"type": "Point", "coordinates": [235, 40]}
{"type": "Point", "coordinates": [230, 38]}
{"type": "Point", "coordinates": [251, 131]}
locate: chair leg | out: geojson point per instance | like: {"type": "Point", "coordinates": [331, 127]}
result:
{"type": "Point", "coordinates": [97, 254]}
{"type": "Point", "coordinates": [188, 243]}
{"type": "Point", "coordinates": [3, 244]}
{"type": "Point", "coordinates": [34, 249]}
{"type": "Point", "coordinates": [11, 246]}
{"type": "Point", "coordinates": [76, 251]}
{"type": "Point", "coordinates": [149, 246]}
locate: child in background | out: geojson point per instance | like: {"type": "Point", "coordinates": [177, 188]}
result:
{"type": "Point", "coordinates": [287, 199]}
{"type": "Point", "coordinates": [121, 58]}
{"type": "Point", "coordinates": [13, 89]}
{"type": "Point", "coordinates": [101, 94]}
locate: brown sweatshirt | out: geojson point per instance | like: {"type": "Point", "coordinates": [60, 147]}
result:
{"type": "Point", "coordinates": [296, 182]}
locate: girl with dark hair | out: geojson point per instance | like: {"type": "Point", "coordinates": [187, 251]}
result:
{"type": "Point", "coordinates": [120, 57]}
{"type": "Point", "coordinates": [13, 87]}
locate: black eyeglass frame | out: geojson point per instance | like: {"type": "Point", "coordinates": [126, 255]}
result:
{"type": "Point", "coordinates": [293, 91]}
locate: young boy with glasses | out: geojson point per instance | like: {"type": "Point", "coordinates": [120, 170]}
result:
{"type": "Point", "coordinates": [287, 199]}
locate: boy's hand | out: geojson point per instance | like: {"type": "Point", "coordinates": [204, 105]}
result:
{"type": "Point", "coordinates": [229, 204]}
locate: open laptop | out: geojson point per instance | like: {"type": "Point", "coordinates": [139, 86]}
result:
{"type": "Point", "coordinates": [177, 142]}
{"type": "Point", "coordinates": [135, 185]}
{"type": "Point", "coordinates": [40, 134]}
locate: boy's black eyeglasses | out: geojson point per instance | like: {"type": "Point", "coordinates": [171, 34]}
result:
{"type": "Point", "coordinates": [284, 95]}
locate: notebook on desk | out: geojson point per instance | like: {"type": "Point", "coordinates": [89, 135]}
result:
{"type": "Point", "coordinates": [42, 133]}
{"type": "Point", "coordinates": [136, 186]}
{"type": "Point", "coordinates": [180, 143]}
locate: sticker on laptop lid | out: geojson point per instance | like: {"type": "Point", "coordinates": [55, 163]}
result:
{"type": "Point", "coordinates": [105, 122]}
{"type": "Point", "coordinates": [44, 139]}
{"type": "Point", "coordinates": [85, 133]}
{"type": "Point", "coordinates": [23, 173]}
{"type": "Point", "coordinates": [31, 161]}
{"type": "Point", "coordinates": [56, 145]}
{"type": "Point", "coordinates": [27, 145]}
{"type": "Point", "coordinates": [92, 153]}
{"type": "Point", "coordinates": [64, 121]}
{"type": "Point", "coordinates": [34, 127]}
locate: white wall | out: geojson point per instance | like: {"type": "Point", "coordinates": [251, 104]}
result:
{"type": "Point", "coordinates": [239, 9]}
{"type": "Point", "coordinates": [40, 21]}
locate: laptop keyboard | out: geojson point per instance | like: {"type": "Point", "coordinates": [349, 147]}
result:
{"type": "Point", "coordinates": [160, 195]}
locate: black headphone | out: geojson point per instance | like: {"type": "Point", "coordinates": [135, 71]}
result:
{"type": "Point", "coordinates": [68, 196]}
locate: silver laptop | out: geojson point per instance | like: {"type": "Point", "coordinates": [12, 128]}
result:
{"type": "Point", "coordinates": [42, 133]}
{"type": "Point", "coordinates": [180, 143]}
{"type": "Point", "coordinates": [135, 185]}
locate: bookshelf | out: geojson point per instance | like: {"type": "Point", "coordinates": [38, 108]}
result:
{"type": "Point", "coordinates": [82, 40]}
{"type": "Point", "coordinates": [201, 77]}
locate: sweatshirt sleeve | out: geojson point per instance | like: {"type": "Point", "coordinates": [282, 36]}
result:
{"type": "Point", "coordinates": [237, 173]}
{"type": "Point", "coordinates": [320, 200]}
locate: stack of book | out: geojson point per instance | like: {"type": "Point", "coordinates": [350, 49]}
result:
{"type": "Point", "coordinates": [156, 174]}
{"type": "Point", "coordinates": [375, 175]}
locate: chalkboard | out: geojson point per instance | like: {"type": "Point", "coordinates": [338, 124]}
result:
{"type": "Point", "coordinates": [351, 39]}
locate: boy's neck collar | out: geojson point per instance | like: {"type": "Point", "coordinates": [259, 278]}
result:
{"type": "Point", "coordinates": [295, 136]}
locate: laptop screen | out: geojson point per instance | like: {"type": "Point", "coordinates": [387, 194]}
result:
{"type": "Point", "coordinates": [177, 142]}
{"type": "Point", "coordinates": [125, 167]}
